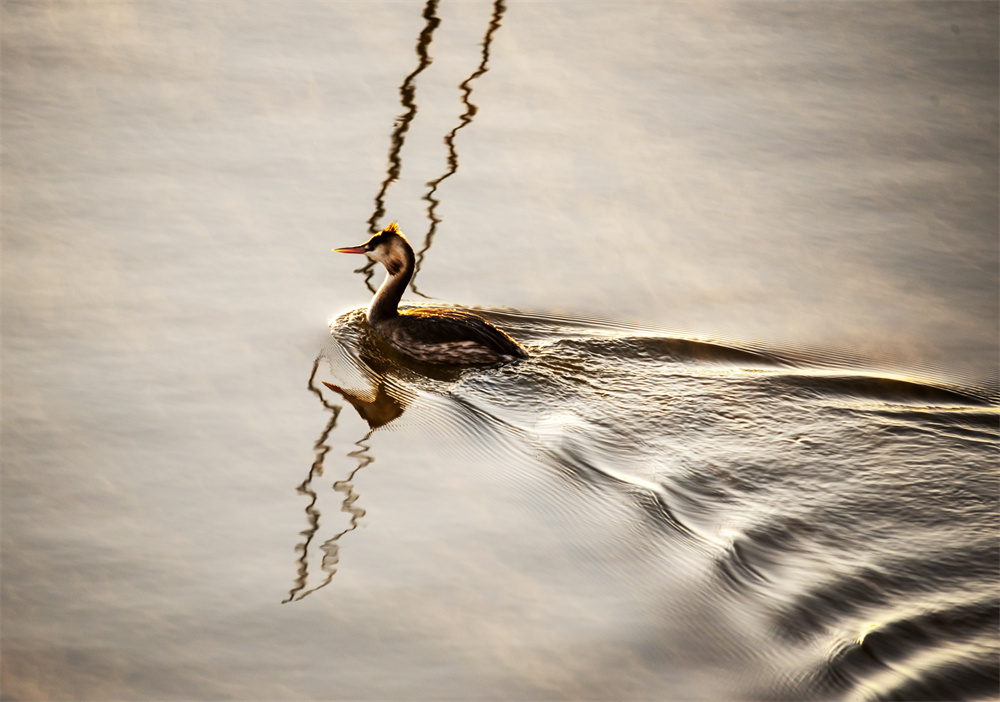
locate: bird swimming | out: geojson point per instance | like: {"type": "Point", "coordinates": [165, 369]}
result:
{"type": "Point", "coordinates": [431, 335]}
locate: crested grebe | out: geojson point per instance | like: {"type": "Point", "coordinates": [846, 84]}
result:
{"type": "Point", "coordinates": [428, 335]}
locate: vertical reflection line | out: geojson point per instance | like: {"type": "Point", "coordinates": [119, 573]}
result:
{"type": "Point", "coordinates": [321, 448]}
{"type": "Point", "coordinates": [330, 547]}
{"type": "Point", "coordinates": [466, 118]}
{"type": "Point", "coordinates": [407, 93]}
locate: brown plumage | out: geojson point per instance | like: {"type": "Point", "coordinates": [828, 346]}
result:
{"type": "Point", "coordinates": [431, 335]}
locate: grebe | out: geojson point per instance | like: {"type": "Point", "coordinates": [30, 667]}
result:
{"type": "Point", "coordinates": [428, 335]}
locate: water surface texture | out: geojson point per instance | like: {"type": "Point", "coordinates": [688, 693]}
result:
{"type": "Point", "coordinates": [751, 247]}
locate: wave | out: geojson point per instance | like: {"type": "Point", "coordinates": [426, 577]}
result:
{"type": "Point", "coordinates": [815, 502]}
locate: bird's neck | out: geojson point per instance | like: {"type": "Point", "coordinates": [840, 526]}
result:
{"type": "Point", "coordinates": [384, 304]}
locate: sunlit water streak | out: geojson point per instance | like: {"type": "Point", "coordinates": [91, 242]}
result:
{"type": "Point", "coordinates": [852, 518]}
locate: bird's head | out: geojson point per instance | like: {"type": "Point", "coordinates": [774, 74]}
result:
{"type": "Point", "coordinates": [389, 247]}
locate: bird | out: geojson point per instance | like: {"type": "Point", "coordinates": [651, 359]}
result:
{"type": "Point", "coordinates": [431, 335]}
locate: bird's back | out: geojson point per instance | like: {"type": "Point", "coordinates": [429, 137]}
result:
{"type": "Point", "coordinates": [449, 336]}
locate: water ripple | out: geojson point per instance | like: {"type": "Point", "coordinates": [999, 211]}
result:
{"type": "Point", "coordinates": [847, 519]}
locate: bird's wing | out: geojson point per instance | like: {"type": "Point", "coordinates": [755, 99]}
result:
{"type": "Point", "coordinates": [450, 326]}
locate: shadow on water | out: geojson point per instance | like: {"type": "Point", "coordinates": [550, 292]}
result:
{"type": "Point", "coordinates": [407, 93]}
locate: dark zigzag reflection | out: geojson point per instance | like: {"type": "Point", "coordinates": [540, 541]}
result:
{"type": "Point", "coordinates": [407, 95]}
{"type": "Point", "coordinates": [315, 470]}
{"type": "Point", "coordinates": [330, 547]}
{"type": "Point", "coordinates": [466, 118]}
{"type": "Point", "coordinates": [378, 409]}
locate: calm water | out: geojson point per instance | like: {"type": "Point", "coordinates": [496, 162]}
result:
{"type": "Point", "coordinates": [752, 248]}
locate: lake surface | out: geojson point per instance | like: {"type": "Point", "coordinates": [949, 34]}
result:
{"type": "Point", "coordinates": [752, 249]}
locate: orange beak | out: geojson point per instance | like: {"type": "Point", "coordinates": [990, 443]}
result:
{"type": "Point", "coordinates": [352, 249]}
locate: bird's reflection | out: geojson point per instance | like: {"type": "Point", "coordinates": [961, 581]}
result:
{"type": "Point", "coordinates": [378, 411]}
{"type": "Point", "coordinates": [378, 407]}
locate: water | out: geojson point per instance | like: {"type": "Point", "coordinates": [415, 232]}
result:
{"type": "Point", "coordinates": [751, 247]}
